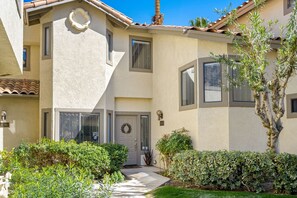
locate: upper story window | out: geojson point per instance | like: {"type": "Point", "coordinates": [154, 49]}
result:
{"type": "Point", "coordinates": [242, 93]}
{"type": "Point", "coordinates": [292, 106]}
{"type": "Point", "coordinates": [212, 82]}
{"type": "Point", "coordinates": [288, 6]}
{"type": "Point", "coordinates": [26, 58]}
{"type": "Point", "coordinates": [109, 39]}
{"type": "Point", "coordinates": [140, 54]}
{"type": "Point", "coordinates": [188, 82]}
{"type": "Point", "coordinates": [211, 87]}
{"type": "Point", "coordinates": [47, 41]}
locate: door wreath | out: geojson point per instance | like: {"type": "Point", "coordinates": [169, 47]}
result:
{"type": "Point", "coordinates": [126, 128]}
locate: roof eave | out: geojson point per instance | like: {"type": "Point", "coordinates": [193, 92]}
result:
{"type": "Point", "coordinates": [220, 23]}
{"type": "Point", "coordinates": [126, 22]}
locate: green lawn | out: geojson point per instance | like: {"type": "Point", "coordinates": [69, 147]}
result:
{"type": "Point", "coordinates": [175, 192]}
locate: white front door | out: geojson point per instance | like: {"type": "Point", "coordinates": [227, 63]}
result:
{"type": "Point", "coordinates": [126, 134]}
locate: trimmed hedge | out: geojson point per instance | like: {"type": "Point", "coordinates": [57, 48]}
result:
{"type": "Point", "coordinates": [286, 173]}
{"type": "Point", "coordinates": [47, 153]}
{"type": "Point", "coordinates": [236, 170]}
{"type": "Point", "coordinates": [118, 155]}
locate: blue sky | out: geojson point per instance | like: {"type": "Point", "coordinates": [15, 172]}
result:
{"type": "Point", "coordinates": [177, 12]}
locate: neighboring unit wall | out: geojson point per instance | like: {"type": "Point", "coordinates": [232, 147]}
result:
{"type": "Point", "coordinates": [272, 10]}
{"type": "Point", "coordinates": [23, 115]}
{"type": "Point", "coordinates": [11, 36]}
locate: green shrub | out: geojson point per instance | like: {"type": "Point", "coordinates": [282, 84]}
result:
{"type": "Point", "coordinates": [46, 153]}
{"type": "Point", "coordinates": [52, 181]}
{"type": "Point", "coordinates": [173, 143]}
{"type": "Point", "coordinates": [286, 173]}
{"type": "Point", "coordinates": [257, 169]}
{"type": "Point", "coordinates": [118, 155]}
{"type": "Point", "coordinates": [223, 170]}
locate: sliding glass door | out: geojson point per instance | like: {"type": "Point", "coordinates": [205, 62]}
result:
{"type": "Point", "coordinates": [79, 127]}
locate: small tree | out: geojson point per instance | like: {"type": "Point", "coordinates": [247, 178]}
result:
{"type": "Point", "coordinates": [267, 83]}
{"type": "Point", "coordinates": [173, 143]}
{"type": "Point", "coordinates": [200, 22]}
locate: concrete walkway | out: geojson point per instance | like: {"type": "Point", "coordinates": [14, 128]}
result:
{"type": "Point", "coordinates": [141, 180]}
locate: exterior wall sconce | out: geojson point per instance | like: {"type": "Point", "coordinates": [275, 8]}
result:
{"type": "Point", "coordinates": [3, 122]}
{"type": "Point", "coordinates": [160, 117]}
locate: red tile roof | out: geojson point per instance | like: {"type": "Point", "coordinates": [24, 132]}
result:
{"type": "Point", "coordinates": [244, 8]}
{"type": "Point", "coordinates": [19, 86]}
{"type": "Point", "coordinates": [97, 3]}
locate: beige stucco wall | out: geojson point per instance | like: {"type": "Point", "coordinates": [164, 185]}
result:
{"type": "Point", "coordinates": [170, 53]}
{"type": "Point", "coordinates": [213, 123]}
{"type": "Point", "coordinates": [23, 115]}
{"type": "Point", "coordinates": [132, 105]}
{"type": "Point", "coordinates": [11, 37]}
{"type": "Point", "coordinates": [126, 83]}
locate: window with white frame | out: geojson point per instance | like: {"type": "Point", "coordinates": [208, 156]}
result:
{"type": "Point", "coordinates": [80, 126]}
{"type": "Point", "coordinates": [109, 39]}
{"type": "Point", "coordinates": [140, 54]}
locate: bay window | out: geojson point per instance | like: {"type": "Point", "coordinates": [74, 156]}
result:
{"type": "Point", "coordinates": [187, 81]}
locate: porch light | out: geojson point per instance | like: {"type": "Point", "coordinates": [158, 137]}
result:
{"type": "Point", "coordinates": [3, 121]}
{"type": "Point", "coordinates": [160, 115]}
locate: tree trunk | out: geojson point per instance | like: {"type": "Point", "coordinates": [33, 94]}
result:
{"type": "Point", "coordinates": [272, 143]}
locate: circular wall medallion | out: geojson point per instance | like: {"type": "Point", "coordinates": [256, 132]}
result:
{"type": "Point", "coordinates": [80, 19]}
{"type": "Point", "coordinates": [126, 128]}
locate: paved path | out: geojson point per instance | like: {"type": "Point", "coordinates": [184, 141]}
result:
{"type": "Point", "coordinates": [142, 180]}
